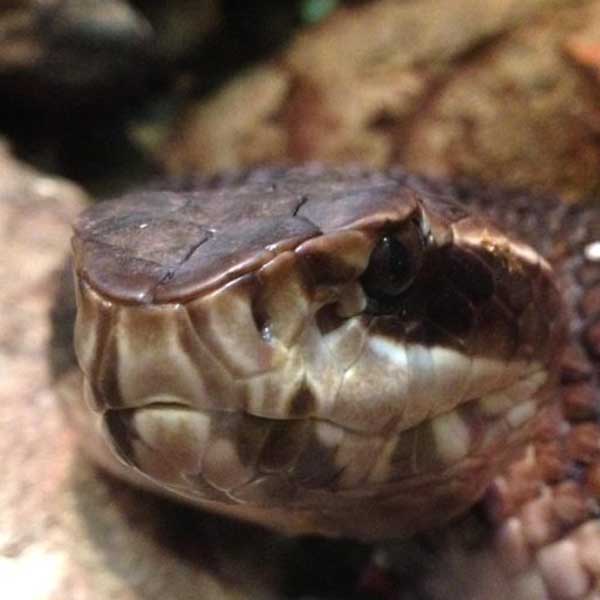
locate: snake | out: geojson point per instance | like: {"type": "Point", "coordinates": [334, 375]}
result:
{"type": "Point", "coordinates": [340, 351]}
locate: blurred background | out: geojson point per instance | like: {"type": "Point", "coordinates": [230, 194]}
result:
{"type": "Point", "coordinates": [97, 96]}
{"type": "Point", "coordinates": [502, 90]}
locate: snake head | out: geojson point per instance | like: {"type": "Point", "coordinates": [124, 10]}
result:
{"type": "Point", "coordinates": [315, 350]}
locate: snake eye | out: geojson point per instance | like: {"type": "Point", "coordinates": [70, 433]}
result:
{"type": "Point", "coordinates": [394, 263]}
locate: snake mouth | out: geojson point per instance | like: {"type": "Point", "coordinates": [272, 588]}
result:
{"type": "Point", "coordinates": [241, 458]}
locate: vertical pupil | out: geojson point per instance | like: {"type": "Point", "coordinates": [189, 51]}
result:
{"type": "Point", "coordinates": [397, 259]}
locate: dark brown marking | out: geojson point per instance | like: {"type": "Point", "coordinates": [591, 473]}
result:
{"type": "Point", "coordinates": [469, 274]}
{"type": "Point", "coordinates": [496, 331]}
{"type": "Point", "coordinates": [316, 466]}
{"type": "Point", "coordinates": [284, 443]}
{"type": "Point", "coordinates": [105, 378]}
{"type": "Point", "coordinates": [248, 434]}
{"type": "Point", "coordinates": [512, 287]}
{"type": "Point", "coordinates": [121, 435]}
{"type": "Point", "coordinates": [303, 403]}
{"type": "Point", "coordinates": [186, 334]}
{"type": "Point", "coordinates": [520, 293]}
{"type": "Point", "coordinates": [451, 311]}
{"type": "Point", "coordinates": [403, 456]}
{"type": "Point", "coordinates": [261, 317]}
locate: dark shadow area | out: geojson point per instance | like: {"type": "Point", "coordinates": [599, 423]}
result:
{"type": "Point", "coordinates": [241, 556]}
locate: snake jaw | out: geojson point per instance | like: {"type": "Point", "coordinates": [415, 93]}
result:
{"type": "Point", "coordinates": [274, 386]}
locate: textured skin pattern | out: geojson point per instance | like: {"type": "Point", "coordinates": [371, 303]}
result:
{"type": "Point", "coordinates": [538, 533]}
{"type": "Point", "coordinates": [322, 351]}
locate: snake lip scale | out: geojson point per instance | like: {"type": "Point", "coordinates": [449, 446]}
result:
{"type": "Point", "coordinates": [328, 351]}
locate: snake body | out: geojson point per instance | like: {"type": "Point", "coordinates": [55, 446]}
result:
{"type": "Point", "coordinates": [332, 351]}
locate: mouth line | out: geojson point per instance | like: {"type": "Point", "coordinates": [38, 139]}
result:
{"type": "Point", "coordinates": [494, 404]}
{"type": "Point", "coordinates": [434, 444]}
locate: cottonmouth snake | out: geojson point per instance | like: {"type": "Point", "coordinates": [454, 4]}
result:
{"type": "Point", "coordinates": [345, 352]}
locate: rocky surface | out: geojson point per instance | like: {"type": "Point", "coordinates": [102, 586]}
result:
{"type": "Point", "coordinates": [487, 90]}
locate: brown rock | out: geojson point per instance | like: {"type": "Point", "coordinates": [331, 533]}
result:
{"type": "Point", "coordinates": [234, 127]}
{"type": "Point", "coordinates": [515, 112]}
{"type": "Point", "coordinates": [462, 88]}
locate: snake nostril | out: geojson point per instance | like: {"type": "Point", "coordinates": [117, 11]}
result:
{"type": "Point", "coordinates": [469, 274]}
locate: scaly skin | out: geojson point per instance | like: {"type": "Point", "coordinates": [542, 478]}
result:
{"type": "Point", "coordinates": [542, 509]}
